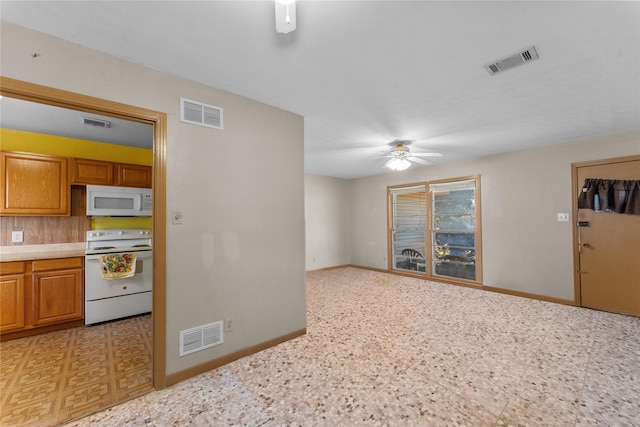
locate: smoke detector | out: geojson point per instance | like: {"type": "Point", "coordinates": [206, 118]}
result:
{"type": "Point", "coordinates": [519, 58]}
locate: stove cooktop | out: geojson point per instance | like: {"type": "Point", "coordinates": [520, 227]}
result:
{"type": "Point", "coordinates": [117, 240]}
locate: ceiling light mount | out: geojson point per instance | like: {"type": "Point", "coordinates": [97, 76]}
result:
{"type": "Point", "coordinates": [285, 16]}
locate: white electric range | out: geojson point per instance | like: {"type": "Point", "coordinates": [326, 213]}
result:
{"type": "Point", "coordinates": [109, 299]}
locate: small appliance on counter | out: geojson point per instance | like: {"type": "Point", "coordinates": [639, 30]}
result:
{"type": "Point", "coordinates": [103, 200]}
{"type": "Point", "coordinates": [118, 274]}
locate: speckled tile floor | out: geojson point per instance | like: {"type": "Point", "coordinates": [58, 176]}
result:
{"type": "Point", "coordinates": [385, 350]}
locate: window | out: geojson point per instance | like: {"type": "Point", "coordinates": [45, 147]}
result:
{"type": "Point", "coordinates": [408, 227]}
{"type": "Point", "coordinates": [434, 228]}
{"type": "Point", "coordinates": [453, 229]}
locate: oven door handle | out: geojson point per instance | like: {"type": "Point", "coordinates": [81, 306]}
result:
{"type": "Point", "coordinates": [141, 255]}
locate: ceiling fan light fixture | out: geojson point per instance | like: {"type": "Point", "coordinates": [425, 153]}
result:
{"type": "Point", "coordinates": [398, 164]}
{"type": "Point", "coordinates": [285, 16]}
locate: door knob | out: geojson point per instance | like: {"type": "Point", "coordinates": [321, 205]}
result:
{"type": "Point", "coordinates": [586, 245]}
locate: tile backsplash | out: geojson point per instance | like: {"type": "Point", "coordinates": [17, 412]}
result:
{"type": "Point", "coordinates": [41, 230]}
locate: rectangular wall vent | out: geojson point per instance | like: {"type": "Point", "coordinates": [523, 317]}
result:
{"type": "Point", "coordinates": [197, 113]}
{"type": "Point", "coordinates": [201, 337]}
{"type": "Point", "coordinates": [92, 121]}
{"type": "Point", "coordinates": [526, 55]}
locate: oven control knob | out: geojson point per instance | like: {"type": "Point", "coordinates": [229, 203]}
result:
{"type": "Point", "coordinates": [96, 234]}
{"type": "Point", "coordinates": [121, 232]}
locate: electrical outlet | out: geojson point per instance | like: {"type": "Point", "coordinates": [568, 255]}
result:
{"type": "Point", "coordinates": [563, 217]}
{"type": "Point", "coordinates": [228, 325]}
{"type": "Point", "coordinates": [17, 236]}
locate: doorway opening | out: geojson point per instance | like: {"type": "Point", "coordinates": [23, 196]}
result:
{"type": "Point", "coordinates": [59, 98]}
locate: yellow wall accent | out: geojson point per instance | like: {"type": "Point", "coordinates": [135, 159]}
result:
{"type": "Point", "coordinates": [16, 140]}
{"type": "Point", "coordinates": [102, 223]}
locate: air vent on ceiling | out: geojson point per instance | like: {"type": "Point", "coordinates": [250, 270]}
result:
{"type": "Point", "coordinates": [201, 337]}
{"type": "Point", "coordinates": [197, 113]}
{"type": "Point", "coordinates": [91, 121]}
{"type": "Point", "coordinates": [527, 55]}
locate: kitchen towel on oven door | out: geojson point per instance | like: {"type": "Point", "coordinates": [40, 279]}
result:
{"type": "Point", "coordinates": [118, 266]}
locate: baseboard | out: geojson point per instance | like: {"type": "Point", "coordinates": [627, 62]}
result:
{"type": "Point", "coordinates": [465, 283]}
{"type": "Point", "coordinates": [7, 336]}
{"type": "Point", "coordinates": [335, 267]}
{"type": "Point", "coordinates": [529, 295]}
{"type": "Point", "coordinates": [221, 361]}
{"type": "Point", "coordinates": [473, 285]}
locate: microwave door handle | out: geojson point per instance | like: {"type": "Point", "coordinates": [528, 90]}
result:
{"type": "Point", "coordinates": [139, 202]}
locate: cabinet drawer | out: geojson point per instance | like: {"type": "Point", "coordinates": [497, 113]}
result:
{"type": "Point", "coordinates": [57, 264]}
{"type": "Point", "coordinates": [14, 267]}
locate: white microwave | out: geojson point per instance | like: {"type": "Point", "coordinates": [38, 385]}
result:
{"type": "Point", "coordinates": [104, 200]}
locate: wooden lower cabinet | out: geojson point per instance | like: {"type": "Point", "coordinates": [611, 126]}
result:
{"type": "Point", "coordinates": [48, 295]}
{"type": "Point", "coordinates": [57, 296]}
{"type": "Point", "coordinates": [12, 296]}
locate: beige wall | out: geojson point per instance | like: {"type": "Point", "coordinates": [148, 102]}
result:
{"type": "Point", "coordinates": [524, 247]}
{"type": "Point", "coordinates": [240, 251]}
{"type": "Point", "coordinates": [327, 215]}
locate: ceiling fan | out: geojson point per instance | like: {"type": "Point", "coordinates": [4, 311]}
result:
{"type": "Point", "coordinates": [401, 157]}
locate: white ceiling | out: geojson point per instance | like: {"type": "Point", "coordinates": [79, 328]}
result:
{"type": "Point", "coordinates": [365, 73]}
{"type": "Point", "coordinates": [41, 118]}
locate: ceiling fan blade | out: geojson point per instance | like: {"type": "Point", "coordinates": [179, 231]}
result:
{"type": "Point", "coordinates": [420, 161]}
{"type": "Point", "coordinates": [427, 154]}
{"type": "Point", "coordinates": [387, 164]}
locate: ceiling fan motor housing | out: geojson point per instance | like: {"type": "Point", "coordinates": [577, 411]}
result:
{"type": "Point", "coordinates": [400, 150]}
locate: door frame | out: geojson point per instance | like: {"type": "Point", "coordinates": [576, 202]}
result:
{"type": "Point", "coordinates": [45, 95]}
{"type": "Point", "coordinates": [577, 291]}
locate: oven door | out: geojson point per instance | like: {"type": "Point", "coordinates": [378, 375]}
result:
{"type": "Point", "coordinates": [97, 287]}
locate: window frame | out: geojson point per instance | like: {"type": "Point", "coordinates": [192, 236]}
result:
{"type": "Point", "coordinates": [390, 222]}
{"type": "Point", "coordinates": [429, 273]}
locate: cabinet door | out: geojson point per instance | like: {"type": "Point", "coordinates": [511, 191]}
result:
{"type": "Point", "coordinates": [34, 185]}
{"type": "Point", "coordinates": [11, 302]}
{"type": "Point", "coordinates": [85, 171]}
{"type": "Point", "coordinates": [57, 296]}
{"type": "Point", "coordinates": [133, 175]}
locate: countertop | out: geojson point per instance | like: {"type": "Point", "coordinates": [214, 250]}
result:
{"type": "Point", "coordinates": [34, 252]}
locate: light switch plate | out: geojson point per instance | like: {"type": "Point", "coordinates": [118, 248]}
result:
{"type": "Point", "coordinates": [563, 217]}
{"type": "Point", "coordinates": [176, 216]}
{"type": "Point", "coordinates": [17, 237]}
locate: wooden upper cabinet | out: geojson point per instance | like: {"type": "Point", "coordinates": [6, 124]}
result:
{"type": "Point", "coordinates": [133, 175]}
{"type": "Point", "coordinates": [34, 184]}
{"type": "Point", "coordinates": [99, 172]}
{"type": "Point", "coordinates": [96, 172]}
